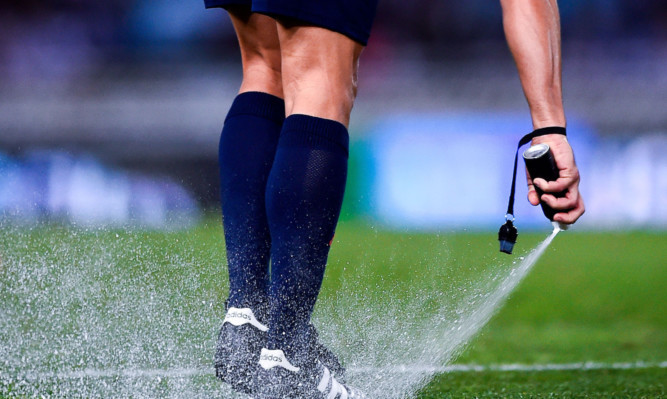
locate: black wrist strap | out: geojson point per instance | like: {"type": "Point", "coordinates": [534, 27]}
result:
{"type": "Point", "coordinates": [524, 140]}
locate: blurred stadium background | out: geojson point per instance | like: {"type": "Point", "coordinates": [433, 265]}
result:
{"type": "Point", "coordinates": [110, 112]}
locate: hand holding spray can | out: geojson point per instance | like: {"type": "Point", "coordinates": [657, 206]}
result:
{"type": "Point", "coordinates": [541, 164]}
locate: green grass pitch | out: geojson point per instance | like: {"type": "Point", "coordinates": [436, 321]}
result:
{"type": "Point", "coordinates": [593, 297]}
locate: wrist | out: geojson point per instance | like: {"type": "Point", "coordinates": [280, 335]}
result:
{"type": "Point", "coordinates": [549, 138]}
{"type": "Point", "coordinates": [542, 121]}
{"type": "Point", "coordinates": [547, 111]}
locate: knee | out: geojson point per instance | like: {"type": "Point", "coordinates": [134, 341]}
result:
{"type": "Point", "coordinates": [301, 76]}
{"type": "Point", "coordinates": [262, 67]}
{"type": "Point", "coordinates": [334, 72]}
{"type": "Point", "coordinates": [319, 73]}
{"type": "Point", "coordinates": [260, 54]}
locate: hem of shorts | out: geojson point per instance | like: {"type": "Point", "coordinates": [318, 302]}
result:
{"type": "Point", "coordinates": [225, 4]}
{"type": "Point", "coordinates": [313, 19]}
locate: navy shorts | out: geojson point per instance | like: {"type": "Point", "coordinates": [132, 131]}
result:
{"type": "Point", "coordinates": [353, 18]}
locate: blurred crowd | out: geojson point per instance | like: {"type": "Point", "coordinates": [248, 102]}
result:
{"type": "Point", "coordinates": [78, 189]}
{"type": "Point", "coordinates": [97, 44]}
{"type": "Point", "coordinates": [61, 38]}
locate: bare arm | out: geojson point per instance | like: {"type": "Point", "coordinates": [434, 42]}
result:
{"type": "Point", "coordinates": [532, 29]}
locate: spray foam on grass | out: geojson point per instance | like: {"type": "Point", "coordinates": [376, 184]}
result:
{"type": "Point", "coordinates": [99, 315]}
{"type": "Point", "coordinates": [396, 354]}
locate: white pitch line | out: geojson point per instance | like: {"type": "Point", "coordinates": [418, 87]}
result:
{"type": "Point", "coordinates": [467, 368]}
{"type": "Point", "coordinates": [454, 368]}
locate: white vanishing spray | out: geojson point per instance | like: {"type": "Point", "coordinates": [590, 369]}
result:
{"type": "Point", "coordinates": [427, 345]}
{"type": "Point", "coordinates": [68, 309]}
{"type": "Point", "coordinates": [480, 316]}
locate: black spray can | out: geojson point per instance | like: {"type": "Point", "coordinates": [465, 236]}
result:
{"type": "Point", "coordinates": [540, 163]}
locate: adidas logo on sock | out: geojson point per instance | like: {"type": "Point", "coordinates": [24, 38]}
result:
{"type": "Point", "coordinates": [269, 359]}
{"type": "Point", "coordinates": [238, 317]}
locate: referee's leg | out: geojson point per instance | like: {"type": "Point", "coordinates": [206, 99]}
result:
{"type": "Point", "coordinates": [247, 148]}
{"type": "Point", "coordinates": [307, 181]}
{"type": "Point", "coordinates": [248, 144]}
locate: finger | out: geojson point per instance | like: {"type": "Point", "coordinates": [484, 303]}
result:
{"type": "Point", "coordinates": [568, 201]}
{"type": "Point", "coordinates": [563, 183]}
{"type": "Point", "coordinates": [533, 198]}
{"type": "Point", "coordinates": [572, 215]}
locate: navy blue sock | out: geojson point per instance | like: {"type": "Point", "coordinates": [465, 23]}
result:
{"type": "Point", "coordinates": [247, 147]}
{"type": "Point", "coordinates": [303, 199]}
